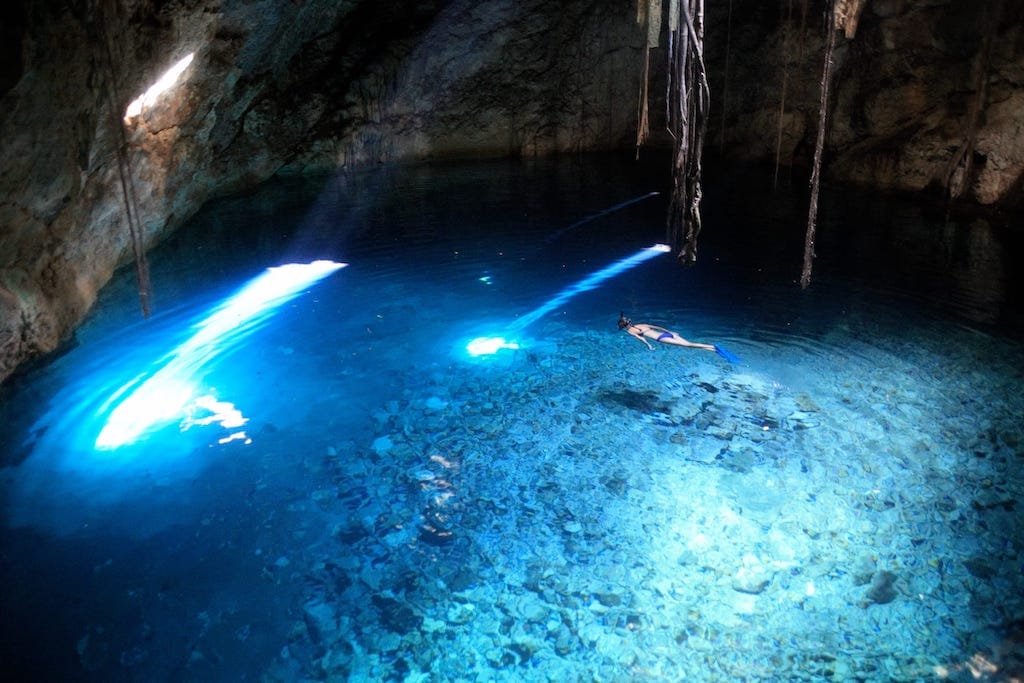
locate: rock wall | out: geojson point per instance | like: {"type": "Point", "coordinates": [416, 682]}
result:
{"type": "Point", "coordinates": [917, 80]}
{"type": "Point", "coordinates": [294, 86]}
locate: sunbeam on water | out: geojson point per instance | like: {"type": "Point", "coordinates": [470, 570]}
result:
{"type": "Point", "coordinates": [588, 283]}
{"type": "Point", "coordinates": [91, 448]}
{"type": "Point", "coordinates": [489, 345]}
{"type": "Point", "coordinates": [149, 401]}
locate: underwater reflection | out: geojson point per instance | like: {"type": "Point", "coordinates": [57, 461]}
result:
{"type": "Point", "coordinates": [104, 441]}
{"type": "Point", "coordinates": [166, 394]}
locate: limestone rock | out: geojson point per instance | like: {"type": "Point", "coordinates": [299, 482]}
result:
{"type": "Point", "coordinates": [882, 589]}
{"type": "Point", "coordinates": [753, 577]}
{"type": "Point", "coordinates": [905, 85]}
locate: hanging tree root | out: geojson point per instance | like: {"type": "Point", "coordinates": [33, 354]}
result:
{"type": "Point", "coordinates": [959, 172]}
{"type": "Point", "coordinates": [692, 95]}
{"type": "Point", "coordinates": [687, 102]}
{"type": "Point", "coordinates": [785, 22]}
{"type": "Point", "coordinates": [819, 145]}
{"type": "Point", "coordinates": [843, 16]}
{"type": "Point", "coordinates": [648, 15]}
{"type": "Point", "coordinates": [725, 81]}
{"type": "Point", "coordinates": [97, 25]}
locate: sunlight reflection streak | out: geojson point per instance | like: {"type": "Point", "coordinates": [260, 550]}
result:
{"type": "Point", "coordinates": [168, 393]}
{"type": "Point", "coordinates": [481, 346]}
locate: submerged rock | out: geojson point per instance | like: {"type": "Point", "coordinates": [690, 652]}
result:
{"type": "Point", "coordinates": [882, 590]}
{"type": "Point", "coordinates": [321, 620]}
{"type": "Point", "coordinates": [979, 568]}
{"type": "Point", "coordinates": [436, 535]}
{"type": "Point", "coordinates": [396, 615]}
{"type": "Point", "coordinates": [753, 577]}
{"type": "Point", "coordinates": [382, 444]}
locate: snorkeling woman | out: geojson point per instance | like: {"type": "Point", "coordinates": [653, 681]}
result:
{"type": "Point", "coordinates": [643, 332]}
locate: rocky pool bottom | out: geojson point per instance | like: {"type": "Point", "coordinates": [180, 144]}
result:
{"type": "Point", "coordinates": [686, 519]}
{"type": "Point", "coordinates": [548, 516]}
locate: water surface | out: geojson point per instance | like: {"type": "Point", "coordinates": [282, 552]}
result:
{"type": "Point", "coordinates": [841, 503]}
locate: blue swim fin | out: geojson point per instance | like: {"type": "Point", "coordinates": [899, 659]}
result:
{"type": "Point", "coordinates": [731, 357]}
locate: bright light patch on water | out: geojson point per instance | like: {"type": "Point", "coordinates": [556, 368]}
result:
{"type": "Point", "coordinates": [164, 83]}
{"type": "Point", "coordinates": [485, 346]}
{"type": "Point", "coordinates": [489, 345]}
{"type": "Point", "coordinates": [157, 400]}
{"type": "Point", "coordinates": [167, 394]}
{"type": "Point", "coordinates": [588, 283]}
{"type": "Point", "coordinates": [207, 410]}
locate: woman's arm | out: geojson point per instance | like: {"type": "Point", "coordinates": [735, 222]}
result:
{"type": "Point", "coordinates": [640, 336]}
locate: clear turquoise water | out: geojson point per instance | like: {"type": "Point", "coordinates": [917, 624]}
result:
{"type": "Point", "coordinates": [842, 504]}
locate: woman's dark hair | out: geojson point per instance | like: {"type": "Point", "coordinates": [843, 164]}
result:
{"type": "Point", "coordinates": [624, 322]}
